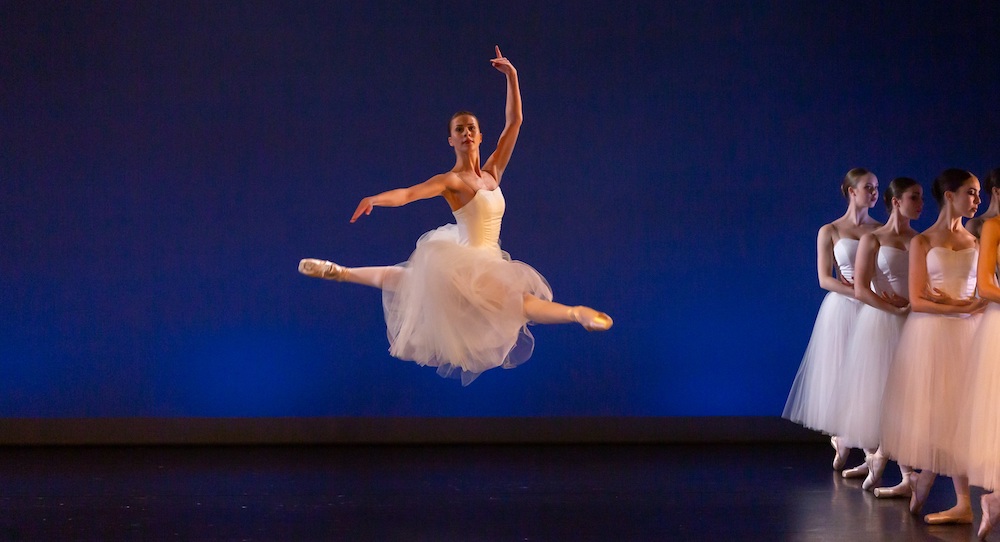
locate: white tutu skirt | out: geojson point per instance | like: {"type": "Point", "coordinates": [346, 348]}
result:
{"type": "Point", "coordinates": [811, 401]}
{"type": "Point", "coordinates": [862, 380]}
{"type": "Point", "coordinates": [980, 441]}
{"type": "Point", "coordinates": [460, 308]}
{"type": "Point", "coordinates": [926, 392]}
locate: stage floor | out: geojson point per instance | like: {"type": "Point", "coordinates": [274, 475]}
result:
{"type": "Point", "coordinates": [442, 493]}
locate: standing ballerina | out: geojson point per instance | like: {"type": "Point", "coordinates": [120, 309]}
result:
{"type": "Point", "coordinates": [460, 303]}
{"type": "Point", "coordinates": [880, 283]}
{"type": "Point", "coordinates": [925, 393]}
{"type": "Point", "coordinates": [812, 399]}
{"type": "Point", "coordinates": [983, 417]}
{"type": "Point", "coordinates": [992, 187]}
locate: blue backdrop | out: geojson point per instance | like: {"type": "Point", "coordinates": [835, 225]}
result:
{"type": "Point", "coordinates": [165, 166]}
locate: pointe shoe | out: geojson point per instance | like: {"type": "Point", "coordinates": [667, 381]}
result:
{"type": "Point", "coordinates": [991, 513]}
{"type": "Point", "coordinates": [322, 269]}
{"type": "Point", "coordinates": [876, 466]}
{"type": "Point", "coordinates": [840, 455]}
{"type": "Point", "coordinates": [918, 493]}
{"type": "Point", "coordinates": [590, 319]}
{"type": "Point", "coordinates": [900, 490]}
{"type": "Point", "coordinates": [956, 515]}
{"type": "Point", "coordinates": [855, 472]}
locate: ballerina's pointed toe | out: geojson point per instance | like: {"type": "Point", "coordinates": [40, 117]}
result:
{"type": "Point", "coordinates": [601, 322]}
{"type": "Point", "coordinates": [590, 319]}
{"type": "Point", "coordinates": [322, 269]}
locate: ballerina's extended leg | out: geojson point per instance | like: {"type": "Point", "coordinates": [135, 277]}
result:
{"type": "Point", "coordinates": [548, 312]}
{"type": "Point", "coordinates": [381, 277]}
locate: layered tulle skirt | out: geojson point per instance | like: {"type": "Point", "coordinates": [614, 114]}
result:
{"type": "Point", "coordinates": [811, 401]}
{"type": "Point", "coordinates": [460, 308]}
{"type": "Point", "coordinates": [927, 392]}
{"type": "Point", "coordinates": [981, 441]}
{"type": "Point", "coordinates": [862, 380]}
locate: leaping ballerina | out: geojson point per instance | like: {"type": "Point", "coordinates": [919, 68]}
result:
{"type": "Point", "coordinates": [460, 303]}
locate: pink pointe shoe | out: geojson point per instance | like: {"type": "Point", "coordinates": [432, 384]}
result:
{"type": "Point", "coordinates": [322, 269]}
{"type": "Point", "coordinates": [840, 454]}
{"type": "Point", "coordinates": [590, 319]}
{"type": "Point", "coordinates": [856, 472]}
{"type": "Point", "coordinates": [876, 466]}
{"type": "Point", "coordinates": [991, 513]}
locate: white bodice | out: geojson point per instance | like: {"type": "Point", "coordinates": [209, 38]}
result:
{"type": "Point", "coordinates": [953, 271]}
{"type": "Point", "coordinates": [845, 251]}
{"type": "Point", "coordinates": [479, 220]}
{"type": "Point", "coordinates": [892, 272]}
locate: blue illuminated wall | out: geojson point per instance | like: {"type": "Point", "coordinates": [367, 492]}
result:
{"type": "Point", "coordinates": [164, 167]}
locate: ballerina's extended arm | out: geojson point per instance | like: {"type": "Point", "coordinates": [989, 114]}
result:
{"type": "Point", "coordinates": [435, 186]}
{"type": "Point", "coordinates": [497, 162]}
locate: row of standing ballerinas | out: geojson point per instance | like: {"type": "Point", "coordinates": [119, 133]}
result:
{"type": "Point", "coordinates": [904, 358]}
{"type": "Point", "coordinates": [459, 303]}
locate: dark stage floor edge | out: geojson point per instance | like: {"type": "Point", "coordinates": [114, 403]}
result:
{"type": "Point", "coordinates": [740, 491]}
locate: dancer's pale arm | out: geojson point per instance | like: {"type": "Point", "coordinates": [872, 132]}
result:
{"type": "Point", "coordinates": [434, 186]}
{"type": "Point", "coordinates": [497, 162]}
{"type": "Point", "coordinates": [824, 264]}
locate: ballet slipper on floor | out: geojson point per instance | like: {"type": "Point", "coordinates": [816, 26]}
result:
{"type": "Point", "coordinates": [957, 515]}
{"type": "Point", "coordinates": [991, 513]}
{"type": "Point", "coordinates": [840, 453]}
{"type": "Point", "coordinates": [876, 466]}
{"type": "Point", "coordinates": [322, 269]}
{"type": "Point", "coordinates": [855, 472]}
{"type": "Point", "coordinates": [901, 490]}
{"type": "Point", "coordinates": [590, 319]}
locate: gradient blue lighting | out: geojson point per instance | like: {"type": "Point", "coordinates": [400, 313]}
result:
{"type": "Point", "coordinates": [166, 166]}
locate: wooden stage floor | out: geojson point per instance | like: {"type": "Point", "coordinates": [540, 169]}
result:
{"type": "Point", "coordinates": [457, 492]}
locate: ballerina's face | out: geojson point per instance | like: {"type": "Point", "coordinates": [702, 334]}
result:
{"type": "Point", "coordinates": [464, 134]}
{"type": "Point", "coordinates": [911, 202]}
{"type": "Point", "coordinates": [865, 193]}
{"type": "Point", "coordinates": [965, 201]}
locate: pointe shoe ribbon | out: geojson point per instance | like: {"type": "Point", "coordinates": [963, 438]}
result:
{"type": "Point", "coordinates": [322, 269]}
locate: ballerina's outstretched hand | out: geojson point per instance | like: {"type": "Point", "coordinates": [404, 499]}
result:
{"type": "Point", "coordinates": [364, 208]}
